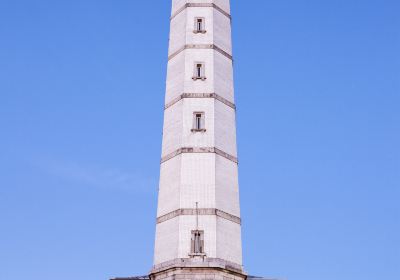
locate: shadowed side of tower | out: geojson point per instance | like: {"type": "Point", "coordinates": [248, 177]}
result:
{"type": "Point", "coordinates": [198, 232]}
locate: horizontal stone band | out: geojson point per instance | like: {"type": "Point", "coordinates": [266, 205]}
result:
{"type": "Point", "coordinates": [201, 46]}
{"type": "Point", "coordinates": [200, 95]}
{"type": "Point", "coordinates": [200, 150]}
{"type": "Point", "coordinates": [201, 5]}
{"type": "Point", "coordinates": [207, 263]}
{"type": "Point", "coordinates": [200, 212]}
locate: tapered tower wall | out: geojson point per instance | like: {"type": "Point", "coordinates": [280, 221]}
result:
{"type": "Point", "coordinates": [199, 189]}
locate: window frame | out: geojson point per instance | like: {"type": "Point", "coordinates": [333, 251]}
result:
{"type": "Point", "coordinates": [199, 126]}
{"type": "Point", "coordinates": [193, 252]}
{"type": "Point", "coordinates": [196, 29]}
{"type": "Point", "coordinates": [196, 73]}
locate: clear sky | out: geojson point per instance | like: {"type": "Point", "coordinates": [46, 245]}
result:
{"type": "Point", "coordinates": [81, 105]}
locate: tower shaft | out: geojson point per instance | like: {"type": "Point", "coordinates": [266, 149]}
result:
{"type": "Point", "coordinates": [198, 217]}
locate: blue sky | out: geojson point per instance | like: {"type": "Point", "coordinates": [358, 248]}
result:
{"type": "Point", "coordinates": [81, 105]}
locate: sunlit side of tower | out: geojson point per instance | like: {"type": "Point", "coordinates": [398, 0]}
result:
{"type": "Point", "coordinates": [198, 232]}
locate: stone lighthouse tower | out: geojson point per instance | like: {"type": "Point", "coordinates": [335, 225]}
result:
{"type": "Point", "coordinates": [198, 232]}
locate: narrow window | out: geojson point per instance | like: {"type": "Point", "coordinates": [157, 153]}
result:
{"type": "Point", "coordinates": [199, 71]}
{"type": "Point", "coordinates": [197, 243]}
{"type": "Point", "coordinates": [198, 122]}
{"type": "Point", "coordinates": [199, 25]}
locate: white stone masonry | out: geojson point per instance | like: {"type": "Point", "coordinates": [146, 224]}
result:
{"type": "Point", "coordinates": [199, 156]}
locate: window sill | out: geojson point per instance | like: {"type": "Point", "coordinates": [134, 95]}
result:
{"type": "Point", "coordinates": [199, 78]}
{"type": "Point", "coordinates": [197, 255]}
{"type": "Point", "coordinates": [199, 130]}
{"type": "Point", "coordinates": [199, 31]}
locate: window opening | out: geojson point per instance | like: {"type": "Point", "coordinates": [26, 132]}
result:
{"type": "Point", "coordinates": [199, 25]}
{"type": "Point", "coordinates": [198, 122]}
{"type": "Point", "coordinates": [199, 71]}
{"type": "Point", "coordinates": [197, 242]}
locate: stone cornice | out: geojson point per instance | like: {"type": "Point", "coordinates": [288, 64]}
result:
{"type": "Point", "coordinates": [208, 263]}
{"type": "Point", "coordinates": [200, 212]}
{"type": "Point", "coordinates": [200, 95]}
{"type": "Point", "coordinates": [200, 46]}
{"type": "Point", "coordinates": [201, 5]}
{"type": "Point", "coordinates": [199, 150]}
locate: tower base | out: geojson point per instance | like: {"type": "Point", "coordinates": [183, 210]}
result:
{"type": "Point", "coordinates": [198, 269]}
